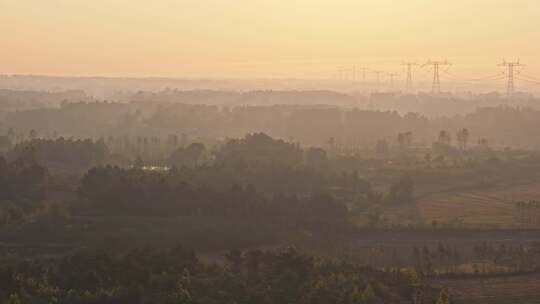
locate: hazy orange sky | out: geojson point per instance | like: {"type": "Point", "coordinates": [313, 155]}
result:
{"type": "Point", "coordinates": [262, 38]}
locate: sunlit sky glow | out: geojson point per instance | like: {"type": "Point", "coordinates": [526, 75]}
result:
{"type": "Point", "coordinates": [262, 38]}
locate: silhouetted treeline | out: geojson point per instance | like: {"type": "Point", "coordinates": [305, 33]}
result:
{"type": "Point", "coordinates": [309, 125]}
{"type": "Point", "coordinates": [12, 100]}
{"type": "Point", "coordinates": [255, 98]}
{"type": "Point", "coordinates": [447, 104]}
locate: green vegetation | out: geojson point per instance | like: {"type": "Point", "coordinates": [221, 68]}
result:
{"type": "Point", "coordinates": [178, 276]}
{"type": "Point", "coordinates": [90, 215]}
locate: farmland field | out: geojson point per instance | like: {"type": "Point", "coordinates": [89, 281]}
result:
{"type": "Point", "coordinates": [522, 289]}
{"type": "Point", "coordinates": [490, 206]}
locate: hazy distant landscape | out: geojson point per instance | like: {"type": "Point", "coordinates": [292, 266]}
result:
{"type": "Point", "coordinates": [269, 152]}
{"type": "Point", "coordinates": [441, 189]}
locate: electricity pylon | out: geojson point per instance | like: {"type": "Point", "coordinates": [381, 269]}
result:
{"type": "Point", "coordinates": [363, 70]}
{"type": "Point", "coordinates": [392, 76]}
{"type": "Point", "coordinates": [510, 89]}
{"type": "Point", "coordinates": [436, 86]}
{"type": "Point", "coordinates": [378, 80]}
{"type": "Point", "coordinates": [409, 82]}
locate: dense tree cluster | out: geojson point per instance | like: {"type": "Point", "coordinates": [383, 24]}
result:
{"type": "Point", "coordinates": [20, 180]}
{"type": "Point", "coordinates": [23, 187]}
{"type": "Point", "coordinates": [249, 176]}
{"type": "Point", "coordinates": [259, 148]}
{"type": "Point", "coordinates": [178, 276]}
{"type": "Point", "coordinates": [138, 192]}
{"type": "Point", "coordinates": [74, 155]}
{"type": "Point", "coordinates": [187, 156]}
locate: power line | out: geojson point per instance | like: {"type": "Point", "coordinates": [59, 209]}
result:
{"type": "Point", "coordinates": [512, 72]}
{"type": "Point", "coordinates": [528, 80]}
{"type": "Point", "coordinates": [491, 77]}
{"type": "Point", "coordinates": [345, 73]}
{"type": "Point", "coordinates": [529, 77]}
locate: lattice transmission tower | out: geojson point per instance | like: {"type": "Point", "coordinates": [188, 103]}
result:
{"type": "Point", "coordinates": [510, 88]}
{"type": "Point", "coordinates": [377, 80]}
{"type": "Point", "coordinates": [391, 77]}
{"type": "Point", "coordinates": [436, 86]}
{"type": "Point", "coordinates": [409, 81]}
